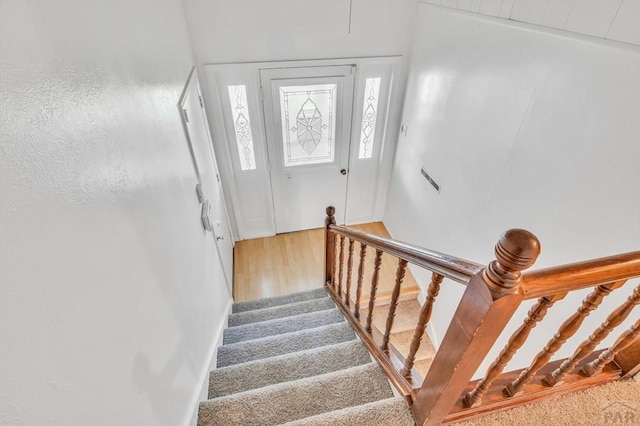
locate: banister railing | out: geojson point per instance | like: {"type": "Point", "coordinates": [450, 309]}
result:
{"type": "Point", "coordinates": [451, 267]}
{"type": "Point", "coordinates": [491, 297]}
{"type": "Point", "coordinates": [576, 276]}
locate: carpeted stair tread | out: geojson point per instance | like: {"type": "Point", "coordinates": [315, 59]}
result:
{"type": "Point", "coordinates": [288, 367]}
{"type": "Point", "coordinates": [280, 311]}
{"type": "Point", "coordinates": [273, 327]}
{"type": "Point", "coordinates": [237, 353]}
{"type": "Point", "coordinates": [280, 300]}
{"type": "Point", "coordinates": [386, 412]}
{"type": "Point", "coordinates": [285, 402]}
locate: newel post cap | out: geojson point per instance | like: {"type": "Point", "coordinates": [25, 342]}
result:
{"type": "Point", "coordinates": [331, 211]}
{"type": "Point", "coordinates": [330, 219]}
{"type": "Point", "coordinates": [516, 250]}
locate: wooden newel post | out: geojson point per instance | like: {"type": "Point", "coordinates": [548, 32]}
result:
{"type": "Point", "coordinates": [489, 301]}
{"type": "Point", "coordinates": [329, 246]}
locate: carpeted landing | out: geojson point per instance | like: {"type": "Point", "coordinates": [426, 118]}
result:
{"type": "Point", "coordinates": [294, 360]}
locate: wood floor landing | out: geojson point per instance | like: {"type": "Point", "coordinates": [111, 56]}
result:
{"type": "Point", "coordinates": [292, 262]}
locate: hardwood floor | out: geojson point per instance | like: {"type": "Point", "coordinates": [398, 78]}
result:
{"type": "Point", "coordinates": [291, 262]}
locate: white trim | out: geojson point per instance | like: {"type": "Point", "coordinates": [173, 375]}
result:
{"type": "Point", "coordinates": [201, 392]}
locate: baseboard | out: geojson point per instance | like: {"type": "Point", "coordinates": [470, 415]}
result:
{"type": "Point", "coordinates": [202, 392]}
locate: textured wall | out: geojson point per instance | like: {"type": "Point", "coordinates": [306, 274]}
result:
{"type": "Point", "coordinates": [521, 128]}
{"type": "Point", "coordinates": [108, 298]}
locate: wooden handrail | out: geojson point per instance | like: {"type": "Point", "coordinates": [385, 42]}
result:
{"type": "Point", "coordinates": [451, 267]}
{"type": "Point", "coordinates": [580, 275]}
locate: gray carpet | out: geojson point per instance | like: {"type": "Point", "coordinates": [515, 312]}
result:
{"type": "Point", "coordinates": [257, 330]}
{"type": "Point", "coordinates": [386, 412]}
{"type": "Point", "coordinates": [266, 347]}
{"type": "Point", "coordinates": [284, 402]}
{"type": "Point", "coordinates": [295, 359]}
{"type": "Point", "coordinates": [288, 367]}
{"type": "Point", "coordinates": [280, 311]}
{"type": "Point", "coordinates": [269, 302]}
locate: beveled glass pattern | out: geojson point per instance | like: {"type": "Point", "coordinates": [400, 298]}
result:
{"type": "Point", "coordinates": [369, 116]}
{"type": "Point", "coordinates": [242, 126]}
{"type": "Point", "coordinates": [308, 123]}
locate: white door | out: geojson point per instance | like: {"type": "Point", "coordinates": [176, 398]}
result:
{"type": "Point", "coordinates": [212, 199]}
{"type": "Point", "coordinates": [308, 122]}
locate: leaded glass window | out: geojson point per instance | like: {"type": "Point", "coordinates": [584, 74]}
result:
{"type": "Point", "coordinates": [308, 123]}
{"type": "Point", "coordinates": [242, 126]}
{"type": "Point", "coordinates": [369, 116]}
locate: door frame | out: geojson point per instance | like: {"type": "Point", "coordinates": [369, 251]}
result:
{"type": "Point", "coordinates": [193, 79]}
{"type": "Point", "coordinates": [220, 75]}
{"type": "Point", "coordinates": [343, 76]}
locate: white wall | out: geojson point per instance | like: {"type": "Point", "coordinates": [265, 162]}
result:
{"type": "Point", "coordinates": [521, 127]}
{"type": "Point", "coordinates": [609, 19]}
{"type": "Point", "coordinates": [230, 31]}
{"type": "Point", "coordinates": [109, 302]}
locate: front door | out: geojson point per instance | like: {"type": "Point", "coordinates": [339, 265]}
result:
{"type": "Point", "coordinates": [308, 122]}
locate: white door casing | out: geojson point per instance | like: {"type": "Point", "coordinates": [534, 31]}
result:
{"type": "Point", "coordinates": [214, 214]}
{"type": "Point", "coordinates": [307, 115]}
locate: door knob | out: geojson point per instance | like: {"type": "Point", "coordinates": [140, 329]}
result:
{"type": "Point", "coordinates": [343, 171]}
{"type": "Point", "coordinates": [221, 237]}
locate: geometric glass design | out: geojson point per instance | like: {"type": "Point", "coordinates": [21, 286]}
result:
{"type": "Point", "coordinates": [369, 115]}
{"type": "Point", "coordinates": [242, 126]}
{"type": "Point", "coordinates": [308, 123]}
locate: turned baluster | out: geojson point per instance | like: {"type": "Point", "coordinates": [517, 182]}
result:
{"type": "Point", "coordinates": [625, 340]}
{"type": "Point", "coordinates": [349, 273]}
{"type": "Point", "coordinates": [329, 245]}
{"type": "Point", "coordinates": [517, 339]}
{"type": "Point", "coordinates": [395, 295]}
{"type": "Point", "coordinates": [566, 330]}
{"type": "Point", "coordinates": [341, 265]}
{"type": "Point", "coordinates": [423, 320]}
{"type": "Point", "coordinates": [613, 320]}
{"type": "Point", "coordinates": [374, 287]}
{"type": "Point", "coordinates": [363, 253]}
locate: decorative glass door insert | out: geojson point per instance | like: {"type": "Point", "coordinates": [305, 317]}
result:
{"type": "Point", "coordinates": [308, 126]}
{"type": "Point", "coordinates": [308, 123]}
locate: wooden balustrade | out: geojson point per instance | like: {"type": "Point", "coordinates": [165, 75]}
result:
{"type": "Point", "coordinates": [614, 319]}
{"type": "Point", "coordinates": [423, 320]}
{"type": "Point", "coordinates": [625, 340]}
{"type": "Point", "coordinates": [490, 299]}
{"type": "Point", "coordinates": [400, 273]}
{"type": "Point", "coordinates": [341, 265]}
{"type": "Point", "coordinates": [329, 244]}
{"type": "Point", "coordinates": [374, 288]}
{"type": "Point", "coordinates": [363, 254]}
{"type": "Point", "coordinates": [347, 295]}
{"type": "Point", "coordinates": [517, 339]}
{"type": "Point", "coordinates": [492, 295]}
{"type": "Point", "coordinates": [566, 330]}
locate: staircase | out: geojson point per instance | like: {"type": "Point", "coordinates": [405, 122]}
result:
{"type": "Point", "coordinates": [295, 360]}
{"type": "Point", "coordinates": [328, 356]}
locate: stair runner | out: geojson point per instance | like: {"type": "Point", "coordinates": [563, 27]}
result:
{"type": "Point", "coordinates": [294, 360]}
